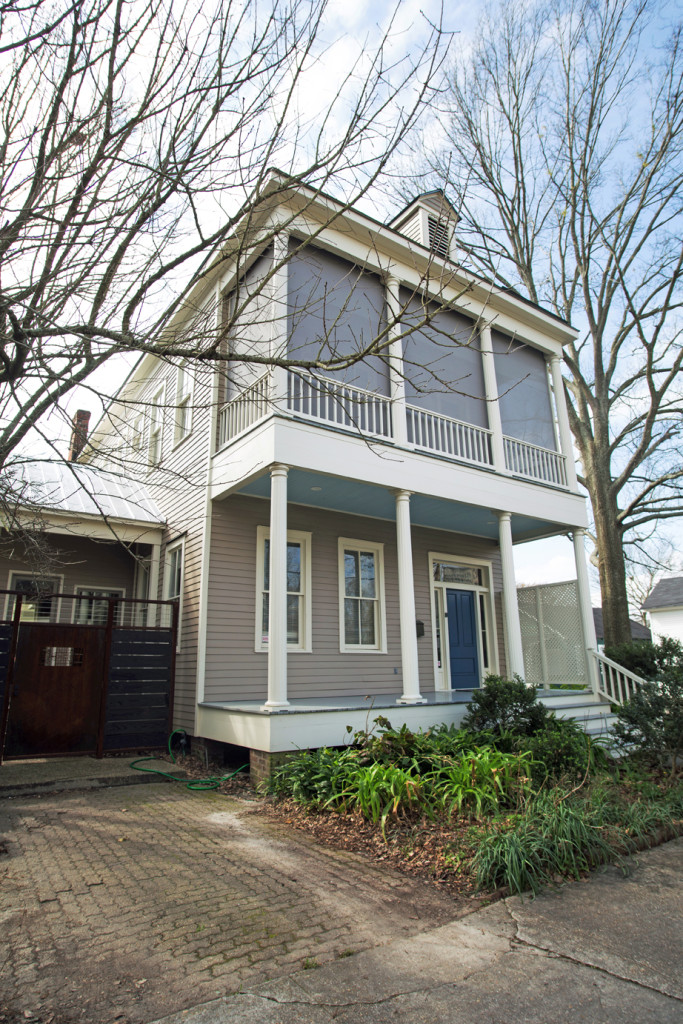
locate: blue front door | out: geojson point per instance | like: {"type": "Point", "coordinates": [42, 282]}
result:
{"type": "Point", "coordinates": [463, 646]}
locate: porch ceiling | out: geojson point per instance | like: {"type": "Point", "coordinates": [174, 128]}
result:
{"type": "Point", "coordinates": [357, 498]}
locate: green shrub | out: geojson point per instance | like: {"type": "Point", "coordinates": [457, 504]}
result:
{"type": "Point", "coordinates": [505, 704]}
{"type": "Point", "coordinates": [650, 725]}
{"type": "Point", "coordinates": [649, 660]}
{"type": "Point", "coordinates": [561, 749]}
{"type": "Point", "coordinates": [313, 776]}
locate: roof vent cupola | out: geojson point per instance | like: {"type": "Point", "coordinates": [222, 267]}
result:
{"type": "Point", "coordinates": [429, 220]}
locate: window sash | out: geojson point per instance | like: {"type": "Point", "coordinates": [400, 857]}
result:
{"type": "Point", "coordinates": [361, 596]}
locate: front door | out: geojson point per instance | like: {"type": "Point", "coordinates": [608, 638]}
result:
{"type": "Point", "coordinates": [463, 642]}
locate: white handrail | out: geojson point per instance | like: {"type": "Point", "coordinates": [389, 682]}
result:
{"type": "Point", "coordinates": [247, 408]}
{"type": "Point", "coordinates": [443, 434]}
{"type": "Point", "coordinates": [534, 462]}
{"type": "Point", "coordinates": [616, 683]}
{"type": "Point", "coordinates": [339, 404]}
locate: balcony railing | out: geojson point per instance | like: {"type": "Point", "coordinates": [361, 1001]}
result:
{"type": "Point", "coordinates": [446, 436]}
{"type": "Point", "coordinates": [338, 404]}
{"type": "Point", "coordinates": [242, 412]}
{"type": "Point", "coordinates": [534, 463]}
{"type": "Point", "coordinates": [333, 403]}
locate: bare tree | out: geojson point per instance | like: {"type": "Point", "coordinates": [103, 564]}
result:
{"type": "Point", "coordinates": [136, 136]}
{"type": "Point", "coordinates": [565, 136]}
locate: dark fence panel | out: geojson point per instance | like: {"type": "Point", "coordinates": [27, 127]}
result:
{"type": "Point", "coordinates": [140, 688]}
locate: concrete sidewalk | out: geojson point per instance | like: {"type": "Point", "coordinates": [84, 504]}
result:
{"type": "Point", "coordinates": [604, 951]}
{"type": "Point", "coordinates": [61, 774]}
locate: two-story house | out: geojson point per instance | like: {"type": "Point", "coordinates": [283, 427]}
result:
{"type": "Point", "coordinates": [341, 536]}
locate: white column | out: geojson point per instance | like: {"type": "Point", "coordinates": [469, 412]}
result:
{"type": "Point", "coordinates": [153, 586]}
{"type": "Point", "coordinates": [566, 442]}
{"type": "Point", "coordinates": [277, 605]}
{"type": "Point", "coordinates": [513, 632]}
{"type": "Point", "coordinates": [396, 379]}
{"type": "Point", "coordinates": [585, 606]}
{"type": "Point", "coordinates": [406, 603]}
{"type": "Point", "coordinates": [492, 404]}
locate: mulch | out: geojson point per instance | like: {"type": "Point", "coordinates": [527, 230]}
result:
{"type": "Point", "coordinates": [430, 850]}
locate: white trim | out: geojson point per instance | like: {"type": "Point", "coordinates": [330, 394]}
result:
{"type": "Point", "coordinates": [305, 645]}
{"type": "Point", "coordinates": [380, 645]}
{"type": "Point", "coordinates": [442, 676]}
{"type": "Point", "coordinates": [176, 545]}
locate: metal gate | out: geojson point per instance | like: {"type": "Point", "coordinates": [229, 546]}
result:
{"type": "Point", "coordinates": [98, 683]}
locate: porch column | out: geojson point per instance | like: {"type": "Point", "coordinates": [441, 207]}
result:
{"type": "Point", "coordinates": [396, 381]}
{"type": "Point", "coordinates": [566, 442]}
{"type": "Point", "coordinates": [277, 604]}
{"type": "Point", "coordinates": [153, 586]}
{"type": "Point", "coordinates": [513, 632]}
{"type": "Point", "coordinates": [406, 603]}
{"type": "Point", "coordinates": [585, 607]}
{"type": "Point", "coordinates": [492, 404]}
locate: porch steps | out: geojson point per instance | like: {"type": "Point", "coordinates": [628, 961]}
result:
{"type": "Point", "coordinates": [590, 711]}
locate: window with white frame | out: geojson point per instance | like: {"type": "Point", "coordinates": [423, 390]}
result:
{"type": "Point", "coordinates": [156, 423]}
{"type": "Point", "coordinates": [92, 606]}
{"type": "Point", "coordinates": [173, 578]}
{"type": "Point", "coordinates": [361, 596]}
{"type": "Point", "coordinates": [38, 603]}
{"type": "Point", "coordinates": [183, 403]}
{"type": "Point", "coordinates": [298, 589]}
{"type": "Point", "coordinates": [137, 432]}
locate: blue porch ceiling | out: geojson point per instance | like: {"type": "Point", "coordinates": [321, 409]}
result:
{"type": "Point", "coordinates": [340, 495]}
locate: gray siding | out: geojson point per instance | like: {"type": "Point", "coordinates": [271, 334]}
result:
{"type": "Point", "coordinates": [81, 563]}
{"type": "Point", "coordinates": [235, 671]}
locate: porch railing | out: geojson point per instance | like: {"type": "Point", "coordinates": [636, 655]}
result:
{"type": "Point", "coordinates": [447, 436]}
{"type": "Point", "coordinates": [535, 463]}
{"type": "Point", "coordinates": [242, 412]}
{"type": "Point", "coordinates": [615, 682]}
{"type": "Point", "coordinates": [338, 404]}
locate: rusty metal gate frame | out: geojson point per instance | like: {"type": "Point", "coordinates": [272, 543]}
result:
{"type": "Point", "coordinates": [106, 667]}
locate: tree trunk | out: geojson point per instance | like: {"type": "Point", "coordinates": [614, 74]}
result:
{"type": "Point", "coordinates": [610, 545]}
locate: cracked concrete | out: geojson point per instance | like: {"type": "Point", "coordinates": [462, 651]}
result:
{"type": "Point", "coordinates": [605, 951]}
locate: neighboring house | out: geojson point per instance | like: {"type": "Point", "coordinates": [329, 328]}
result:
{"type": "Point", "coordinates": [664, 608]}
{"type": "Point", "coordinates": [638, 630]}
{"type": "Point", "coordinates": [342, 542]}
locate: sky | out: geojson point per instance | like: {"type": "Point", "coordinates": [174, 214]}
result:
{"type": "Point", "coordinates": [350, 27]}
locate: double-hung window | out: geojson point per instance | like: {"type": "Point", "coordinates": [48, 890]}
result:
{"type": "Point", "coordinates": [92, 607]}
{"type": "Point", "coordinates": [156, 423]}
{"type": "Point", "coordinates": [298, 590]}
{"type": "Point", "coordinates": [38, 604]}
{"type": "Point", "coordinates": [361, 596]}
{"type": "Point", "coordinates": [183, 406]}
{"type": "Point", "coordinates": [173, 580]}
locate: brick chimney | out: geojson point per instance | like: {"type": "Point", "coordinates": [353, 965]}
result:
{"type": "Point", "coordinates": [79, 434]}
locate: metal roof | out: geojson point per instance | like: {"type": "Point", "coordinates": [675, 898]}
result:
{"type": "Point", "coordinates": [667, 594]}
{"type": "Point", "coordinates": [82, 490]}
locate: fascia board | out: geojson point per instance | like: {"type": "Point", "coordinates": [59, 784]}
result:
{"type": "Point", "coordinates": [99, 528]}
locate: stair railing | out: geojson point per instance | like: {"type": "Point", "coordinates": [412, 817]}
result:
{"type": "Point", "coordinates": [616, 683]}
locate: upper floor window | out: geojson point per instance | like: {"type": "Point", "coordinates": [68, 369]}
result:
{"type": "Point", "coordinates": [183, 404]}
{"type": "Point", "coordinates": [137, 432]}
{"type": "Point", "coordinates": [361, 596]}
{"type": "Point", "coordinates": [156, 423]}
{"type": "Point", "coordinates": [298, 590]}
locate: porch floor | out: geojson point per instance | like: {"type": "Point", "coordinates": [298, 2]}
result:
{"type": "Point", "coordinates": [304, 705]}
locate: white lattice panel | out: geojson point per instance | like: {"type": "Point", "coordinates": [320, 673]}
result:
{"type": "Point", "coordinates": [552, 637]}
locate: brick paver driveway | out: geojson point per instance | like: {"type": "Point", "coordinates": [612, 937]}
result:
{"type": "Point", "coordinates": [127, 904]}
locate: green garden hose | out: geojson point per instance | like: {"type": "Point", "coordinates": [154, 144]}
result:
{"type": "Point", "coordinates": [212, 782]}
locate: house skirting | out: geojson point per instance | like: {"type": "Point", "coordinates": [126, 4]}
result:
{"type": "Point", "coordinates": [308, 724]}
